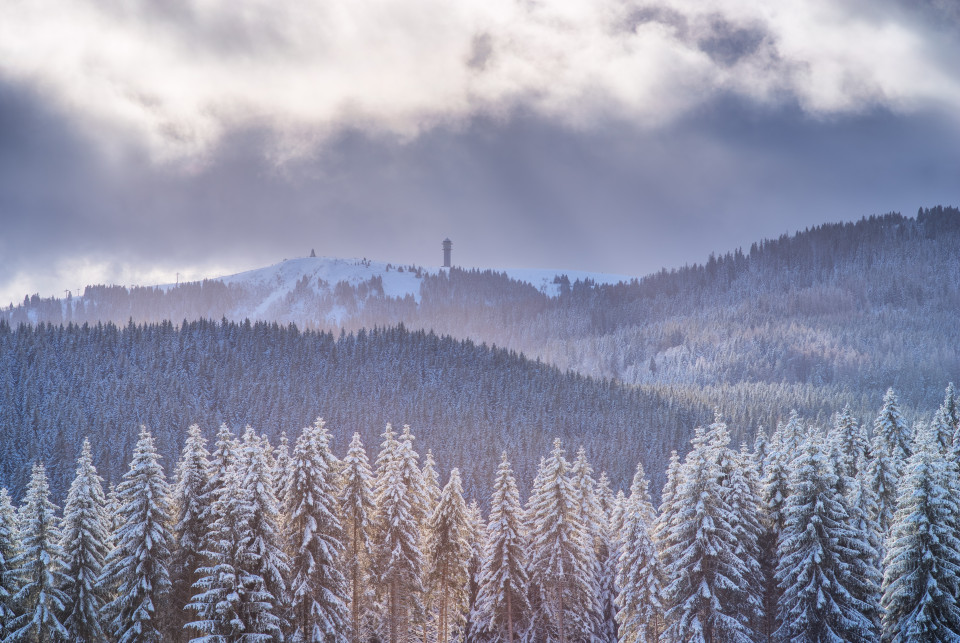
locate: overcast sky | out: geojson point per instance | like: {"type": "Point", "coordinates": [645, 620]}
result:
{"type": "Point", "coordinates": [142, 139]}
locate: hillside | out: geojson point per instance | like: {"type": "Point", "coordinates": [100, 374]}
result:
{"type": "Point", "coordinates": [828, 316]}
{"type": "Point", "coordinates": [466, 402]}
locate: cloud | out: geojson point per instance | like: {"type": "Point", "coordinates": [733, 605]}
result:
{"type": "Point", "coordinates": [179, 76]}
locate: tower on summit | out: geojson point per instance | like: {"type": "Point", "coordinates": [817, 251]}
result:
{"type": "Point", "coordinates": [447, 246]}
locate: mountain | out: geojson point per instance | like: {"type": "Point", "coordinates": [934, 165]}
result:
{"type": "Point", "coordinates": [831, 315]}
{"type": "Point", "coordinates": [828, 317]}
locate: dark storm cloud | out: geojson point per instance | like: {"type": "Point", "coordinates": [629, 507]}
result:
{"type": "Point", "coordinates": [514, 193]}
{"type": "Point", "coordinates": [138, 141]}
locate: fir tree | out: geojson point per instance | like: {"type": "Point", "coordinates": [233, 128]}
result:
{"type": "Point", "coordinates": [138, 567]}
{"type": "Point", "coordinates": [560, 556]}
{"type": "Point", "coordinates": [357, 510]}
{"type": "Point", "coordinates": [190, 529]}
{"type": "Point", "coordinates": [502, 603]}
{"type": "Point", "coordinates": [86, 542]}
{"type": "Point", "coordinates": [9, 550]}
{"type": "Point", "coordinates": [922, 578]}
{"type": "Point", "coordinates": [817, 604]}
{"type": "Point", "coordinates": [39, 602]}
{"type": "Point", "coordinates": [448, 550]}
{"type": "Point", "coordinates": [639, 577]}
{"type": "Point", "coordinates": [315, 541]}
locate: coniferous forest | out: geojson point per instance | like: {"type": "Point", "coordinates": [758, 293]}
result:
{"type": "Point", "coordinates": [843, 533]}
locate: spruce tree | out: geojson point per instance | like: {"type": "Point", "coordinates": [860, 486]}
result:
{"type": "Point", "coordinates": [922, 578]}
{"type": "Point", "coordinates": [190, 528]}
{"type": "Point", "coordinates": [595, 543]}
{"type": "Point", "coordinates": [639, 576]}
{"type": "Point", "coordinates": [317, 589]}
{"type": "Point", "coordinates": [398, 562]}
{"type": "Point", "coordinates": [883, 474]}
{"type": "Point", "coordinates": [848, 439]}
{"type": "Point", "coordinates": [705, 596]}
{"type": "Point", "coordinates": [9, 550]}
{"type": "Point", "coordinates": [890, 431]}
{"type": "Point", "coordinates": [448, 555]}
{"type": "Point", "coordinates": [281, 470]}
{"type": "Point", "coordinates": [39, 601]}
{"type": "Point", "coordinates": [560, 556]}
{"type": "Point", "coordinates": [503, 604]}
{"type": "Point", "coordinates": [817, 604]}
{"type": "Point", "coordinates": [86, 542]}
{"type": "Point", "coordinates": [357, 510]}
{"type": "Point", "coordinates": [267, 546]}
{"type": "Point", "coordinates": [138, 566]}
{"type": "Point", "coordinates": [232, 604]}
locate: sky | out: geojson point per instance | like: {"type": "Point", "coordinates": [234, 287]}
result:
{"type": "Point", "coordinates": [146, 142]}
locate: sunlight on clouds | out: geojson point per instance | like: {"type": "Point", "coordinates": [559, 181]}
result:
{"type": "Point", "coordinates": [75, 273]}
{"type": "Point", "coordinates": [181, 74]}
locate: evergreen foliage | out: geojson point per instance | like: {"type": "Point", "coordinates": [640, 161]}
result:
{"type": "Point", "coordinates": [85, 544]}
{"type": "Point", "coordinates": [503, 605]}
{"type": "Point", "coordinates": [317, 588]}
{"type": "Point", "coordinates": [9, 549]}
{"type": "Point", "coordinates": [39, 601]}
{"type": "Point", "coordinates": [357, 510]}
{"type": "Point", "coordinates": [816, 559]}
{"type": "Point", "coordinates": [448, 553]}
{"type": "Point", "coordinates": [190, 527]}
{"type": "Point", "coordinates": [137, 569]}
{"type": "Point", "coordinates": [560, 556]}
{"type": "Point", "coordinates": [639, 576]}
{"type": "Point", "coordinates": [922, 578]}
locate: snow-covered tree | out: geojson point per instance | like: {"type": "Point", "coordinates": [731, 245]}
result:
{"type": "Point", "coordinates": [281, 469]}
{"type": "Point", "coordinates": [398, 561]}
{"type": "Point", "coordinates": [357, 511]}
{"type": "Point", "coordinates": [883, 475]}
{"type": "Point", "coordinates": [705, 595]}
{"type": "Point", "coordinates": [9, 549]}
{"type": "Point", "coordinates": [448, 553]}
{"type": "Point", "coordinates": [267, 547]}
{"type": "Point", "coordinates": [190, 528]}
{"type": "Point", "coordinates": [921, 583]}
{"type": "Point", "coordinates": [502, 603]}
{"type": "Point", "coordinates": [232, 603]}
{"type": "Point", "coordinates": [850, 442]}
{"type": "Point", "coordinates": [816, 559]}
{"type": "Point", "coordinates": [761, 449]}
{"type": "Point", "coordinates": [596, 545]}
{"type": "Point", "coordinates": [138, 567]}
{"type": "Point", "coordinates": [560, 565]}
{"type": "Point", "coordinates": [85, 544]}
{"type": "Point", "coordinates": [639, 576]}
{"type": "Point", "coordinates": [317, 589]}
{"type": "Point", "coordinates": [890, 431]}
{"type": "Point", "coordinates": [39, 601]}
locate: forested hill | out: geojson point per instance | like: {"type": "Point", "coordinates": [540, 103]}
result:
{"type": "Point", "coordinates": [466, 402]}
{"type": "Point", "coordinates": [831, 315]}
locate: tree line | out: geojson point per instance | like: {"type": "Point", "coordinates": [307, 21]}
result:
{"type": "Point", "coordinates": [848, 534]}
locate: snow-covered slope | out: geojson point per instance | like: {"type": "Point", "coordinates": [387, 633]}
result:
{"type": "Point", "coordinates": [398, 281]}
